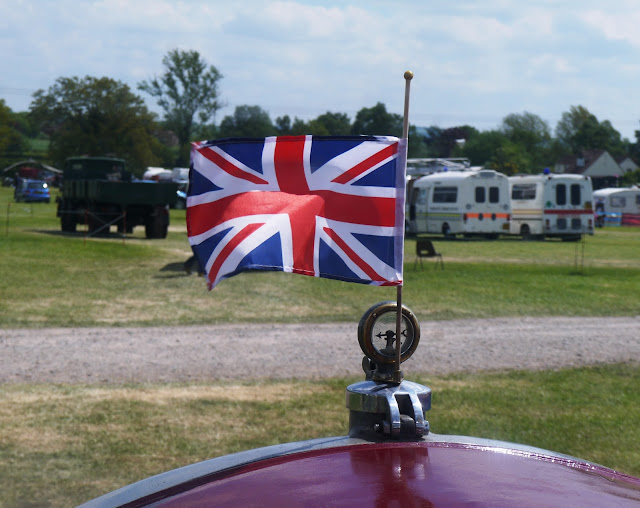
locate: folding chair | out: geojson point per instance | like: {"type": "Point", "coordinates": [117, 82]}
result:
{"type": "Point", "coordinates": [425, 249]}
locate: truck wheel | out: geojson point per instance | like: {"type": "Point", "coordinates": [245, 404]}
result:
{"type": "Point", "coordinates": [446, 231]}
{"type": "Point", "coordinates": [525, 232]}
{"type": "Point", "coordinates": [155, 227]}
{"type": "Point", "coordinates": [67, 223]}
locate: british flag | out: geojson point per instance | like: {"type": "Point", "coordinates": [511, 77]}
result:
{"type": "Point", "coordinates": [321, 206]}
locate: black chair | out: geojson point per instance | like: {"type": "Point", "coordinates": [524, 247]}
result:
{"type": "Point", "coordinates": [425, 249]}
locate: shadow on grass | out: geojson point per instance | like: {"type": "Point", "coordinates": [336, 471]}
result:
{"type": "Point", "coordinates": [174, 267]}
{"type": "Point", "coordinates": [174, 270]}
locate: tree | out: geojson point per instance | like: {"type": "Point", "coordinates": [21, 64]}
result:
{"type": "Point", "coordinates": [327, 124]}
{"type": "Point", "coordinates": [187, 87]}
{"type": "Point", "coordinates": [247, 121]}
{"type": "Point", "coordinates": [283, 125]}
{"type": "Point", "coordinates": [417, 146]}
{"type": "Point", "coordinates": [569, 124]}
{"type": "Point", "coordinates": [25, 126]}
{"type": "Point", "coordinates": [580, 130]}
{"type": "Point", "coordinates": [12, 143]}
{"type": "Point", "coordinates": [594, 135]}
{"type": "Point", "coordinates": [532, 135]}
{"type": "Point", "coordinates": [299, 127]}
{"type": "Point", "coordinates": [450, 139]}
{"type": "Point", "coordinates": [634, 148]}
{"type": "Point", "coordinates": [97, 116]}
{"type": "Point", "coordinates": [482, 147]}
{"type": "Point", "coordinates": [510, 158]}
{"type": "Point", "coordinates": [631, 177]}
{"type": "Point", "coordinates": [336, 124]}
{"type": "Point", "coordinates": [376, 121]}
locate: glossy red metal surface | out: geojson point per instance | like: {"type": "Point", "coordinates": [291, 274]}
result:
{"type": "Point", "coordinates": [414, 474]}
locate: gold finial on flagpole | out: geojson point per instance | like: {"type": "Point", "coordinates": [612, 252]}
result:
{"type": "Point", "coordinates": [408, 75]}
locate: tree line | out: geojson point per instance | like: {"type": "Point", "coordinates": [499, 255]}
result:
{"type": "Point", "coordinates": [103, 116]}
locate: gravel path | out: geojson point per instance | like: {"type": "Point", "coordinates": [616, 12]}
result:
{"type": "Point", "coordinates": [115, 355]}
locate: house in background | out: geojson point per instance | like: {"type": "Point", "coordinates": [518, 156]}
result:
{"type": "Point", "coordinates": [627, 164]}
{"type": "Point", "coordinates": [599, 165]}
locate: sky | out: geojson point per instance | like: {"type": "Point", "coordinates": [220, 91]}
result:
{"type": "Point", "coordinates": [473, 62]}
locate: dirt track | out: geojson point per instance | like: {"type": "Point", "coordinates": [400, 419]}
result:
{"type": "Point", "coordinates": [115, 355]}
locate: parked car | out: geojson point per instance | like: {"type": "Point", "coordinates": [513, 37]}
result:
{"type": "Point", "coordinates": [181, 202]}
{"type": "Point", "coordinates": [32, 191]}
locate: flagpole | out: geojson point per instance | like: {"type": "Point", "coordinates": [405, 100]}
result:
{"type": "Point", "coordinates": [408, 76]}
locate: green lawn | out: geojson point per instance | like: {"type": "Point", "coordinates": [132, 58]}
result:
{"type": "Point", "coordinates": [54, 279]}
{"type": "Point", "coordinates": [63, 444]}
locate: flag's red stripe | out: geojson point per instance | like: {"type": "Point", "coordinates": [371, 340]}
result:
{"type": "Point", "coordinates": [230, 168]}
{"type": "Point", "coordinates": [331, 205]}
{"type": "Point", "coordinates": [288, 160]}
{"type": "Point", "coordinates": [289, 167]}
{"type": "Point", "coordinates": [367, 164]}
{"type": "Point", "coordinates": [371, 273]}
{"type": "Point", "coordinates": [229, 248]}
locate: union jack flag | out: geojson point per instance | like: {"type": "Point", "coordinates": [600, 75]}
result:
{"type": "Point", "coordinates": [321, 206]}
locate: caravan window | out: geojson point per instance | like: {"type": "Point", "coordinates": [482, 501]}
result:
{"type": "Point", "coordinates": [494, 194]}
{"type": "Point", "coordinates": [445, 194]}
{"type": "Point", "coordinates": [618, 201]}
{"type": "Point", "coordinates": [575, 194]}
{"type": "Point", "coordinates": [561, 194]}
{"type": "Point", "coordinates": [479, 194]}
{"type": "Point", "coordinates": [524, 191]}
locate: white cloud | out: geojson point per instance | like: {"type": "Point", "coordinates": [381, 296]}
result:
{"type": "Point", "coordinates": [617, 26]}
{"type": "Point", "coordinates": [472, 61]}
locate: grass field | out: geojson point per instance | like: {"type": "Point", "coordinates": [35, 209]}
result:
{"type": "Point", "coordinates": [63, 444]}
{"type": "Point", "coordinates": [54, 279]}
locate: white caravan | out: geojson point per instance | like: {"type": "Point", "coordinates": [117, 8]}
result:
{"type": "Point", "coordinates": [460, 202]}
{"type": "Point", "coordinates": [551, 205]}
{"type": "Point", "coordinates": [617, 206]}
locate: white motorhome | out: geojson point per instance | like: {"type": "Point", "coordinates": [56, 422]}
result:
{"type": "Point", "coordinates": [551, 205]}
{"type": "Point", "coordinates": [460, 202]}
{"type": "Point", "coordinates": [617, 206]}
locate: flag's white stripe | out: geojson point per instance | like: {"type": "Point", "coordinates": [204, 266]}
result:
{"type": "Point", "coordinates": [306, 159]}
{"type": "Point", "coordinates": [323, 176]}
{"type": "Point", "coordinates": [229, 184]}
{"type": "Point", "coordinates": [347, 260]}
{"type": "Point", "coordinates": [278, 224]}
{"type": "Point", "coordinates": [229, 158]}
{"type": "Point", "coordinates": [345, 231]}
{"type": "Point", "coordinates": [268, 164]}
{"type": "Point", "coordinates": [238, 222]}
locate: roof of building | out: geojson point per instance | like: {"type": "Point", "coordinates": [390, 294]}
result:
{"type": "Point", "coordinates": [588, 157]}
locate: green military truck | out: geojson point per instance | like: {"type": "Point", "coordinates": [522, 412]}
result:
{"type": "Point", "coordinates": [100, 192]}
